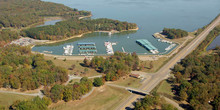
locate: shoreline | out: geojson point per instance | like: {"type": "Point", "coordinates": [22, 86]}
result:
{"type": "Point", "coordinates": [81, 35]}
{"type": "Point", "coordinates": [82, 17]}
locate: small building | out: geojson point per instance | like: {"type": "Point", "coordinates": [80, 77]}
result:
{"type": "Point", "coordinates": [135, 76]}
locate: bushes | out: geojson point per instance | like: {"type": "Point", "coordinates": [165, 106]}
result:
{"type": "Point", "coordinates": [98, 82]}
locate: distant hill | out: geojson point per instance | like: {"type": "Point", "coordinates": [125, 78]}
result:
{"type": "Point", "coordinates": [21, 13]}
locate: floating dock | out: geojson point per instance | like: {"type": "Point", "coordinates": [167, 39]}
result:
{"type": "Point", "coordinates": [109, 48]}
{"type": "Point", "coordinates": [68, 50]}
{"type": "Point", "coordinates": [147, 45]}
{"type": "Point", "coordinates": [87, 48]}
{"type": "Point", "coordinates": [170, 47]}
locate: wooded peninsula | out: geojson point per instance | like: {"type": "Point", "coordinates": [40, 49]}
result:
{"type": "Point", "coordinates": [22, 13]}
{"type": "Point", "coordinates": [71, 27]}
{"type": "Point", "coordinates": [174, 33]}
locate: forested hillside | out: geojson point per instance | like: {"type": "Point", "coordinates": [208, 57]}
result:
{"type": "Point", "coordinates": [21, 69]}
{"type": "Point", "coordinates": [7, 36]}
{"type": "Point", "coordinates": [174, 33]}
{"type": "Point", "coordinates": [198, 77]}
{"type": "Point", "coordinates": [21, 13]}
{"type": "Point", "coordinates": [65, 29]}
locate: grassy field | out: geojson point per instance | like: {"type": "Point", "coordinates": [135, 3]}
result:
{"type": "Point", "coordinates": [103, 98]}
{"type": "Point", "coordinates": [128, 82]}
{"type": "Point", "coordinates": [80, 70]}
{"type": "Point", "coordinates": [165, 88]}
{"type": "Point", "coordinates": [156, 64]}
{"type": "Point", "coordinates": [7, 99]}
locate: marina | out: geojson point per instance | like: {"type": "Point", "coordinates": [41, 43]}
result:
{"type": "Point", "coordinates": [147, 45]}
{"type": "Point", "coordinates": [141, 15]}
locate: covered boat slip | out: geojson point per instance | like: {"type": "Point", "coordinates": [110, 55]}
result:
{"type": "Point", "coordinates": [146, 44]}
{"type": "Point", "coordinates": [86, 44]}
{"type": "Point", "coordinates": [87, 48]}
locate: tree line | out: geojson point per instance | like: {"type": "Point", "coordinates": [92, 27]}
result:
{"type": "Point", "coordinates": [19, 68]}
{"type": "Point", "coordinates": [198, 77]}
{"type": "Point", "coordinates": [153, 102]}
{"type": "Point", "coordinates": [71, 27]}
{"type": "Point", "coordinates": [174, 33]}
{"type": "Point", "coordinates": [56, 93]}
{"type": "Point", "coordinates": [116, 66]}
{"type": "Point", "coordinates": [69, 92]}
{"type": "Point", "coordinates": [21, 13]}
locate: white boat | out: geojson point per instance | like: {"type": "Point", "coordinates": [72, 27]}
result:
{"type": "Point", "coordinates": [114, 43]}
{"type": "Point", "coordinates": [68, 50]}
{"type": "Point", "coordinates": [110, 33]}
{"type": "Point", "coordinates": [47, 51]}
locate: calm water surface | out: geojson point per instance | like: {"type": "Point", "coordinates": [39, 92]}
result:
{"type": "Point", "coordinates": [150, 15]}
{"type": "Point", "coordinates": [215, 42]}
{"type": "Point", "coordinates": [53, 22]}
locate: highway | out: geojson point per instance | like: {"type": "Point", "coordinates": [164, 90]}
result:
{"type": "Point", "coordinates": [164, 72]}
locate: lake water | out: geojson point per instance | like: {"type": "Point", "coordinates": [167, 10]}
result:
{"type": "Point", "coordinates": [150, 15]}
{"type": "Point", "coordinates": [215, 42]}
{"type": "Point", "coordinates": [53, 22]}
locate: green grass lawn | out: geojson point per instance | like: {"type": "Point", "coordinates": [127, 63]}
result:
{"type": "Point", "coordinates": [129, 82]}
{"type": "Point", "coordinates": [82, 71]}
{"type": "Point", "coordinates": [6, 99]}
{"type": "Point", "coordinates": [156, 64]}
{"type": "Point", "coordinates": [165, 88]}
{"type": "Point", "coordinates": [103, 98]}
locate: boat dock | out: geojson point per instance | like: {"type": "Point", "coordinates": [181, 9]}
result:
{"type": "Point", "coordinates": [68, 50]}
{"type": "Point", "coordinates": [109, 48]}
{"type": "Point", "coordinates": [87, 48]}
{"type": "Point", "coordinates": [147, 45]}
{"type": "Point", "coordinates": [158, 35]}
{"type": "Point", "coordinates": [162, 38]}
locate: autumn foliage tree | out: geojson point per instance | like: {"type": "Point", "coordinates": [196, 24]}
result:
{"type": "Point", "coordinates": [115, 66]}
{"type": "Point", "coordinates": [19, 68]}
{"type": "Point", "coordinates": [198, 76]}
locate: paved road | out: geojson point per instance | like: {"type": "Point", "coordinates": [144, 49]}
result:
{"type": "Point", "coordinates": [127, 88]}
{"type": "Point", "coordinates": [164, 72]}
{"type": "Point", "coordinates": [40, 94]}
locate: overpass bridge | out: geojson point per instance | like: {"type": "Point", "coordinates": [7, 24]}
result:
{"type": "Point", "coordinates": [132, 90]}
